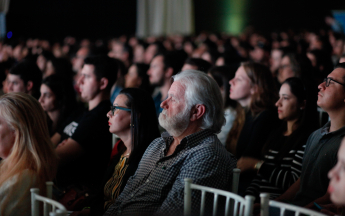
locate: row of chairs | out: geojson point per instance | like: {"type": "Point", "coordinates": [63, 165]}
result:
{"type": "Point", "coordinates": [237, 205]}
{"type": "Point", "coordinates": [234, 204]}
{"type": "Point", "coordinates": [50, 206]}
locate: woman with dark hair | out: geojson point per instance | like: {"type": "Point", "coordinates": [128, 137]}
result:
{"type": "Point", "coordinates": [133, 119]}
{"type": "Point", "coordinates": [137, 77]}
{"type": "Point", "coordinates": [253, 88]}
{"type": "Point", "coordinates": [283, 152]}
{"type": "Point", "coordinates": [296, 65]}
{"type": "Point", "coordinates": [60, 66]}
{"type": "Point", "coordinates": [58, 99]}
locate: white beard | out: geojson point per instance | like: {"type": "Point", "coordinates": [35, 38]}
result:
{"type": "Point", "coordinates": [175, 125]}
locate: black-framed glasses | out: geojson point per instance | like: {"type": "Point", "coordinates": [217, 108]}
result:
{"type": "Point", "coordinates": [327, 80]}
{"type": "Point", "coordinates": [113, 108]}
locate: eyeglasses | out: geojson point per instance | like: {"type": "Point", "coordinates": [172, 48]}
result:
{"type": "Point", "coordinates": [328, 80]}
{"type": "Point", "coordinates": [113, 108]}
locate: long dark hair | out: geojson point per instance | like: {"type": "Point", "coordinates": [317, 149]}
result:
{"type": "Point", "coordinates": [143, 120]}
{"type": "Point", "coordinates": [305, 124]}
{"type": "Point", "coordinates": [64, 93]}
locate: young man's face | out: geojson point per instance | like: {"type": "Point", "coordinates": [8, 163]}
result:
{"type": "Point", "coordinates": [15, 84]}
{"type": "Point", "coordinates": [88, 84]}
{"type": "Point", "coordinates": [333, 96]}
{"type": "Point", "coordinates": [156, 72]}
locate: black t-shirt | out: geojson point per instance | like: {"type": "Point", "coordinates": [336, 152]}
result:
{"type": "Point", "coordinates": [90, 129]}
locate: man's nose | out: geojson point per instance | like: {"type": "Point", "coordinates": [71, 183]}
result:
{"type": "Point", "coordinates": [322, 85]}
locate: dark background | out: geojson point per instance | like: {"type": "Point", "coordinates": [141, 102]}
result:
{"type": "Point", "coordinates": [55, 19]}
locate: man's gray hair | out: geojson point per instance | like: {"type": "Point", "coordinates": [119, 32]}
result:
{"type": "Point", "coordinates": [202, 89]}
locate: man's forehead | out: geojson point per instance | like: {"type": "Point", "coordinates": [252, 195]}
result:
{"type": "Point", "coordinates": [176, 89]}
{"type": "Point", "coordinates": [88, 68]}
{"type": "Point", "coordinates": [13, 77]}
{"type": "Point", "coordinates": [338, 74]}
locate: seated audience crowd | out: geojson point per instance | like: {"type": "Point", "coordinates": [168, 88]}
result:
{"type": "Point", "coordinates": [118, 125]}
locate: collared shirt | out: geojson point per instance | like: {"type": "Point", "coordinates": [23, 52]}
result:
{"type": "Point", "coordinates": [158, 184]}
{"type": "Point", "coordinates": [319, 158]}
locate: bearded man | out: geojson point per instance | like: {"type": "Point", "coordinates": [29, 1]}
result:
{"type": "Point", "coordinates": [192, 115]}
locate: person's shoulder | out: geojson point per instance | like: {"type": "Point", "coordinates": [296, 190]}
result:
{"type": "Point", "coordinates": [212, 147]}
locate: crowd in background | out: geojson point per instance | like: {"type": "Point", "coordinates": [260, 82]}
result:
{"type": "Point", "coordinates": [268, 83]}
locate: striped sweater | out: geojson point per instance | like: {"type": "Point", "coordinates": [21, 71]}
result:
{"type": "Point", "coordinates": [275, 177]}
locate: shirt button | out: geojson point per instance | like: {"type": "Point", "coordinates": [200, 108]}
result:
{"type": "Point", "coordinates": [119, 211]}
{"type": "Point", "coordinates": [147, 180]}
{"type": "Point", "coordinates": [132, 195]}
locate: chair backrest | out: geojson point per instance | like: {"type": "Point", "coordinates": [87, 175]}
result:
{"type": "Point", "coordinates": [235, 180]}
{"type": "Point", "coordinates": [57, 208]}
{"type": "Point", "coordinates": [266, 204]}
{"type": "Point", "coordinates": [242, 206]}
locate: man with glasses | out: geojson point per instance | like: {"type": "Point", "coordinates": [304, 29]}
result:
{"type": "Point", "coordinates": [84, 142]}
{"type": "Point", "coordinates": [322, 146]}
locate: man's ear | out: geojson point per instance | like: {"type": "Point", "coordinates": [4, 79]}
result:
{"type": "Point", "coordinates": [29, 86]}
{"type": "Point", "coordinates": [103, 83]}
{"type": "Point", "coordinates": [197, 112]}
{"type": "Point", "coordinates": [169, 72]}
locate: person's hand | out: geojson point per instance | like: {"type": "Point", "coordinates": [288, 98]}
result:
{"type": "Point", "coordinates": [331, 209]}
{"type": "Point", "coordinates": [246, 163]}
{"type": "Point", "coordinates": [62, 143]}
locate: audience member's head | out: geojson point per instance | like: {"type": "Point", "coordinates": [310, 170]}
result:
{"type": "Point", "coordinates": [59, 66]}
{"type": "Point", "coordinates": [139, 52]}
{"type": "Point", "coordinates": [331, 94]}
{"type": "Point", "coordinates": [25, 144]}
{"type": "Point", "coordinates": [25, 77]}
{"type": "Point", "coordinates": [78, 60]}
{"type": "Point", "coordinates": [275, 60]}
{"type": "Point", "coordinates": [253, 87]}
{"type": "Point", "coordinates": [164, 66]}
{"type": "Point", "coordinates": [57, 94]}
{"type": "Point", "coordinates": [196, 64]}
{"type": "Point", "coordinates": [42, 60]}
{"type": "Point", "coordinates": [293, 65]}
{"type": "Point", "coordinates": [99, 73]}
{"type": "Point", "coordinates": [133, 116]}
{"type": "Point", "coordinates": [152, 50]}
{"type": "Point", "coordinates": [194, 101]}
{"type": "Point", "coordinates": [297, 103]}
{"type": "Point", "coordinates": [137, 77]}
{"type": "Point", "coordinates": [336, 187]}
{"type": "Point", "coordinates": [122, 51]}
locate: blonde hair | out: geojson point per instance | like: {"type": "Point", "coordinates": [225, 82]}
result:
{"type": "Point", "coordinates": [32, 149]}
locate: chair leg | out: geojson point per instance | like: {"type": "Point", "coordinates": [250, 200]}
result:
{"type": "Point", "coordinates": [34, 202]}
{"type": "Point", "coordinates": [187, 197]}
{"type": "Point", "coordinates": [264, 199]}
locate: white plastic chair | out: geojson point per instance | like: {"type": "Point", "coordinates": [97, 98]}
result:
{"type": "Point", "coordinates": [48, 203]}
{"type": "Point", "coordinates": [266, 203]}
{"type": "Point", "coordinates": [235, 180]}
{"type": "Point", "coordinates": [243, 206]}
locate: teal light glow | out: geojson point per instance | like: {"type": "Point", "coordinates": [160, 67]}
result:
{"type": "Point", "coordinates": [233, 19]}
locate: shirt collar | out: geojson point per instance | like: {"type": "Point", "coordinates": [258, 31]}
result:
{"type": "Point", "coordinates": [325, 130]}
{"type": "Point", "coordinates": [190, 140]}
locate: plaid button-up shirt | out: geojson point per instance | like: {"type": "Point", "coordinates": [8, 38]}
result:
{"type": "Point", "coordinates": [157, 187]}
